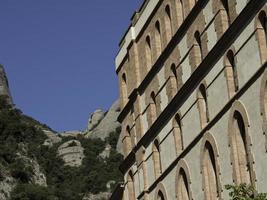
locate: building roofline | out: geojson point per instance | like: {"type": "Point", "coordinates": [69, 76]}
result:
{"type": "Point", "coordinates": [138, 19]}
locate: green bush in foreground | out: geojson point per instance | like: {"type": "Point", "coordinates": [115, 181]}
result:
{"type": "Point", "coordinates": [244, 192]}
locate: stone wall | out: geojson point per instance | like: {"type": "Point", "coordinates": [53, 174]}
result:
{"type": "Point", "coordinates": [219, 115]}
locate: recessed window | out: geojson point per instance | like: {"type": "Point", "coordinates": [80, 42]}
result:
{"type": "Point", "coordinates": [158, 39]}
{"type": "Point", "coordinates": [168, 23]}
{"type": "Point", "coordinates": [209, 173]}
{"type": "Point", "coordinates": [203, 106]}
{"type": "Point", "coordinates": [177, 133]}
{"type": "Point", "coordinates": [148, 53]}
{"type": "Point", "coordinates": [157, 159]}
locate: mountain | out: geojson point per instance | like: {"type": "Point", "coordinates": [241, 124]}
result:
{"type": "Point", "coordinates": [36, 163]}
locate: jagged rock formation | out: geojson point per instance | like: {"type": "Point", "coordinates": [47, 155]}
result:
{"type": "Point", "coordinates": [7, 183]}
{"type": "Point", "coordinates": [4, 87]}
{"type": "Point", "coordinates": [31, 158]}
{"type": "Point", "coordinates": [95, 119]}
{"type": "Point", "coordinates": [107, 125]}
{"type": "Point", "coordinates": [74, 133]}
{"type": "Point", "coordinates": [38, 176]}
{"type": "Point", "coordinates": [52, 139]}
{"type": "Point", "coordinates": [72, 153]}
{"type": "Point", "coordinates": [106, 152]}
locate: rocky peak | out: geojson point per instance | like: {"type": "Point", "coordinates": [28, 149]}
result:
{"type": "Point", "coordinates": [106, 123]}
{"type": "Point", "coordinates": [4, 87]}
{"type": "Point", "coordinates": [72, 153]}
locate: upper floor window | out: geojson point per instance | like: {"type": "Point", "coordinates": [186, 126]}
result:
{"type": "Point", "coordinates": [124, 89]}
{"type": "Point", "coordinates": [173, 80]}
{"type": "Point", "coordinates": [203, 105]}
{"type": "Point", "coordinates": [177, 132]}
{"type": "Point", "coordinates": [263, 23]}
{"type": "Point", "coordinates": [168, 23]}
{"type": "Point", "coordinates": [226, 7]}
{"type": "Point", "coordinates": [148, 53]}
{"type": "Point", "coordinates": [199, 44]}
{"type": "Point", "coordinates": [158, 38]}
{"type": "Point", "coordinates": [232, 75]}
{"type": "Point", "coordinates": [157, 158]}
{"type": "Point", "coordinates": [153, 107]}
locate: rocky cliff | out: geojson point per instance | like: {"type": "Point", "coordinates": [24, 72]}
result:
{"type": "Point", "coordinates": [38, 163]}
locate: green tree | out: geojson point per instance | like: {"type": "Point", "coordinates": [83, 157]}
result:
{"type": "Point", "coordinates": [244, 192]}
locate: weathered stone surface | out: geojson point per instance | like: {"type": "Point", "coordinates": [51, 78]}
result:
{"type": "Point", "coordinates": [38, 177]}
{"type": "Point", "coordinates": [53, 138]}
{"type": "Point", "coordinates": [106, 152]}
{"type": "Point", "coordinates": [72, 153]}
{"type": "Point", "coordinates": [107, 125]}
{"type": "Point", "coordinates": [6, 186]}
{"type": "Point", "coordinates": [74, 133]}
{"type": "Point", "coordinates": [95, 119]}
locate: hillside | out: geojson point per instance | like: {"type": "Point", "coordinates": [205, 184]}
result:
{"type": "Point", "coordinates": [32, 169]}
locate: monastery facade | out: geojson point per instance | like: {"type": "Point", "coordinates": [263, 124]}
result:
{"type": "Point", "coordinates": [193, 92]}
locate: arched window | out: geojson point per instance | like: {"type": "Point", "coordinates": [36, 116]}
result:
{"type": "Point", "coordinates": [231, 73]}
{"type": "Point", "coordinates": [153, 107]}
{"type": "Point", "coordinates": [148, 53]}
{"type": "Point", "coordinates": [168, 23]}
{"type": "Point", "coordinates": [124, 89]}
{"type": "Point", "coordinates": [226, 8]}
{"type": "Point", "coordinates": [160, 196]}
{"type": "Point", "coordinates": [221, 10]}
{"type": "Point", "coordinates": [203, 106]}
{"type": "Point", "coordinates": [263, 22]}
{"type": "Point", "coordinates": [182, 9]}
{"type": "Point", "coordinates": [261, 35]}
{"type": "Point", "coordinates": [209, 173]}
{"type": "Point", "coordinates": [183, 186]}
{"type": "Point", "coordinates": [130, 186]}
{"type": "Point", "coordinates": [196, 51]}
{"type": "Point", "coordinates": [177, 133]}
{"type": "Point", "coordinates": [158, 39]}
{"type": "Point", "coordinates": [173, 80]}
{"type": "Point", "coordinates": [182, 181]}
{"type": "Point", "coordinates": [198, 42]}
{"type": "Point", "coordinates": [239, 150]}
{"type": "Point", "coordinates": [179, 12]}
{"type": "Point", "coordinates": [157, 159]}
{"type": "Point", "coordinates": [127, 141]}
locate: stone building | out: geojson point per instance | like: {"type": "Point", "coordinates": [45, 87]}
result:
{"type": "Point", "coordinates": [193, 92]}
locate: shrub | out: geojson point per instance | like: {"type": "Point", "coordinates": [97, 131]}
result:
{"type": "Point", "coordinates": [244, 192]}
{"type": "Point", "coordinates": [32, 192]}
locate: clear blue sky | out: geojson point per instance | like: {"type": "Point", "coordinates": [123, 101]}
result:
{"type": "Point", "coordinates": [59, 56]}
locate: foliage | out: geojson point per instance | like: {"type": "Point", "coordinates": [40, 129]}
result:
{"type": "Point", "coordinates": [32, 192]}
{"type": "Point", "coordinates": [113, 138]}
{"type": "Point", "coordinates": [244, 192]}
{"type": "Point", "coordinates": [22, 137]}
